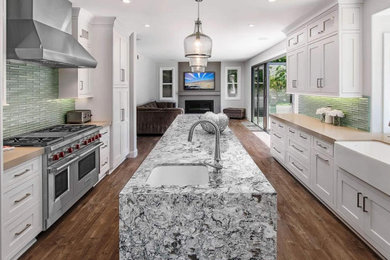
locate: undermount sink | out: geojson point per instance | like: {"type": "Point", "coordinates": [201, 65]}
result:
{"type": "Point", "coordinates": [367, 160]}
{"type": "Point", "coordinates": [179, 175]}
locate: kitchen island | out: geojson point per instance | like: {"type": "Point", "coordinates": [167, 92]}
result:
{"type": "Point", "coordinates": [233, 216]}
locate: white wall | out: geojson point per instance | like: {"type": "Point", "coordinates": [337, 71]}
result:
{"type": "Point", "coordinates": [267, 55]}
{"type": "Point", "coordinates": [240, 103]}
{"type": "Point", "coordinates": [146, 80]}
{"type": "Point", "coordinates": [374, 27]}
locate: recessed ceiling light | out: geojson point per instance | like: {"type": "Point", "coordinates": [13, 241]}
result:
{"type": "Point", "coordinates": [251, 25]}
{"type": "Point", "coordinates": [126, 1]}
{"type": "Point", "coordinates": [271, 1]}
{"type": "Point", "coordinates": [147, 25]}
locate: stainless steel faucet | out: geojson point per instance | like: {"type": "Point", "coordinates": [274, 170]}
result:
{"type": "Point", "coordinates": [217, 153]}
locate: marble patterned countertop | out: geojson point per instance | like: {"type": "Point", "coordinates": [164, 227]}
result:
{"type": "Point", "coordinates": [239, 174]}
{"type": "Point", "coordinates": [234, 216]}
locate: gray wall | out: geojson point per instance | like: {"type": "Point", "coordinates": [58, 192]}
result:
{"type": "Point", "coordinates": [199, 94]}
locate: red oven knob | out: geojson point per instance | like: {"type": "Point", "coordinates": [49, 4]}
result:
{"type": "Point", "coordinates": [56, 157]}
{"type": "Point", "coordinates": [70, 150]}
{"type": "Point", "coordinates": [62, 154]}
{"type": "Point", "coordinates": [85, 142]}
{"type": "Point", "coordinates": [97, 137]}
{"type": "Point", "coordinates": [93, 138]}
{"type": "Point", "coordinates": [77, 146]}
{"type": "Point", "coordinates": [100, 135]}
{"type": "Point", "coordinates": [89, 140]}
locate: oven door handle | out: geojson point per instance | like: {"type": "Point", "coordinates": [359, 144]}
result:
{"type": "Point", "coordinates": [55, 170]}
{"type": "Point", "coordinates": [90, 150]}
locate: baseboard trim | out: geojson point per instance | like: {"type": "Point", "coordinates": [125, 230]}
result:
{"type": "Point", "coordinates": [133, 154]}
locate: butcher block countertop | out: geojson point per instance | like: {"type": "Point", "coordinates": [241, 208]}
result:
{"type": "Point", "coordinates": [20, 155]}
{"type": "Point", "coordinates": [328, 132]}
{"type": "Point", "coordinates": [99, 123]}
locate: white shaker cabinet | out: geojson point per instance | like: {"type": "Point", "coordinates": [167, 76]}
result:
{"type": "Point", "coordinates": [323, 176]}
{"type": "Point", "coordinates": [366, 209]}
{"type": "Point", "coordinates": [110, 102]}
{"type": "Point", "coordinates": [333, 42]}
{"type": "Point", "coordinates": [296, 75]}
{"type": "Point", "coordinates": [323, 70]}
{"type": "Point", "coordinates": [120, 126]}
{"type": "Point", "coordinates": [21, 199]}
{"type": "Point", "coordinates": [77, 83]}
{"type": "Point", "coordinates": [120, 59]}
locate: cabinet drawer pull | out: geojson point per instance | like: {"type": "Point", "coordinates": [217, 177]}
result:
{"type": "Point", "coordinates": [296, 148]}
{"type": "Point", "coordinates": [105, 133]}
{"type": "Point", "coordinates": [122, 75]}
{"type": "Point", "coordinates": [277, 150]}
{"type": "Point", "coordinates": [358, 199]}
{"type": "Point", "coordinates": [281, 126]}
{"type": "Point", "coordinates": [104, 146]}
{"type": "Point", "coordinates": [322, 146]}
{"type": "Point", "coordinates": [320, 157]}
{"type": "Point", "coordinates": [104, 164]}
{"type": "Point", "coordinates": [24, 229]}
{"type": "Point", "coordinates": [364, 204]}
{"type": "Point", "coordinates": [278, 136]}
{"type": "Point", "coordinates": [303, 137]}
{"type": "Point", "coordinates": [23, 198]}
{"type": "Point", "coordinates": [273, 123]}
{"type": "Point", "coordinates": [291, 131]}
{"type": "Point", "coordinates": [22, 173]}
{"type": "Point", "coordinates": [296, 166]}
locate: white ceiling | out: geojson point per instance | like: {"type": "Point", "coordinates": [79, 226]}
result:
{"type": "Point", "coordinates": [225, 21]}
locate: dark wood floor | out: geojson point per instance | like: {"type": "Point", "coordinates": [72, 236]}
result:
{"type": "Point", "coordinates": [306, 229]}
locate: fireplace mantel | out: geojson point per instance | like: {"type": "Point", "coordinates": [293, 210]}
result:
{"type": "Point", "coordinates": [199, 93]}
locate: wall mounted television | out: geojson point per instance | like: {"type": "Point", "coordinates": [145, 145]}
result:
{"type": "Point", "coordinates": [199, 80]}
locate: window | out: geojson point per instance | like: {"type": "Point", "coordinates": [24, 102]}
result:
{"type": "Point", "coordinates": [167, 86]}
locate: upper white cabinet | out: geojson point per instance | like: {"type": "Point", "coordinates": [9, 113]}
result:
{"type": "Point", "coordinates": [121, 59]}
{"type": "Point", "coordinates": [331, 45]}
{"type": "Point", "coordinates": [77, 83]}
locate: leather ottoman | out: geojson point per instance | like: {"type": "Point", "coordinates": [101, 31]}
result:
{"type": "Point", "coordinates": [235, 113]}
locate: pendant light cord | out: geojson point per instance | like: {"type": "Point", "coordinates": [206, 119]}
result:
{"type": "Point", "coordinates": [198, 10]}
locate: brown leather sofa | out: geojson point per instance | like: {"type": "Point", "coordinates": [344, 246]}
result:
{"type": "Point", "coordinates": [155, 117]}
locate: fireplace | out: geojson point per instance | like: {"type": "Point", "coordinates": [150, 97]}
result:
{"type": "Point", "coordinates": [199, 106]}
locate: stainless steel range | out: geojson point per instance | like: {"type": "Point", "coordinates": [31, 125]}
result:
{"type": "Point", "coordinates": [70, 164]}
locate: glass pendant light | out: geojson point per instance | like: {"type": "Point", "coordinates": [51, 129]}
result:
{"type": "Point", "coordinates": [198, 46]}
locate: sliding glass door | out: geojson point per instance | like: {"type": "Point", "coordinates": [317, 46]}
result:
{"type": "Point", "coordinates": [259, 96]}
{"type": "Point", "coordinates": [269, 92]}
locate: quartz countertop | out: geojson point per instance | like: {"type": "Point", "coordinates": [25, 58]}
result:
{"type": "Point", "coordinates": [240, 174]}
{"type": "Point", "coordinates": [20, 155]}
{"type": "Point", "coordinates": [329, 132]}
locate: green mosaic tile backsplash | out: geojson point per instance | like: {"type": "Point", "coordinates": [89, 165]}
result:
{"type": "Point", "coordinates": [32, 95]}
{"type": "Point", "coordinates": [356, 110]}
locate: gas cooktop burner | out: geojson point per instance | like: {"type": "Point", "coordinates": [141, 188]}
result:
{"type": "Point", "coordinates": [31, 141]}
{"type": "Point", "coordinates": [65, 128]}
{"type": "Point", "coordinates": [47, 136]}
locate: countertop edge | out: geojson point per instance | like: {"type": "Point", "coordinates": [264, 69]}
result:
{"type": "Point", "coordinates": [16, 160]}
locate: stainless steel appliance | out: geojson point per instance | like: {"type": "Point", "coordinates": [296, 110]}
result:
{"type": "Point", "coordinates": [70, 164]}
{"type": "Point", "coordinates": [78, 116]}
{"type": "Point", "coordinates": [41, 31]}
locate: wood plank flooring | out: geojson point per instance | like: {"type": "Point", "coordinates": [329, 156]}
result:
{"type": "Point", "coordinates": [306, 229]}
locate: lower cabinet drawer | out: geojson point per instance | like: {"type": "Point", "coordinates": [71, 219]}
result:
{"type": "Point", "coordinates": [21, 231]}
{"type": "Point", "coordinates": [278, 151]}
{"type": "Point", "coordinates": [301, 171]}
{"type": "Point", "coordinates": [104, 160]}
{"type": "Point", "coordinates": [18, 199]}
{"type": "Point", "coordinates": [301, 151]}
{"type": "Point", "coordinates": [323, 146]}
{"type": "Point", "coordinates": [16, 175]}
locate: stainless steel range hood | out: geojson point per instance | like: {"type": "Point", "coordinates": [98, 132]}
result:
{"type": "Point", "coordinates": [41, 31]}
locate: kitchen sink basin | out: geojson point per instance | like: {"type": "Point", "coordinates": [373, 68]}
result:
{"type": "Point", "coordinates": [367, 160]}
{"type": "Point", "coordinates": [179, 175]}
